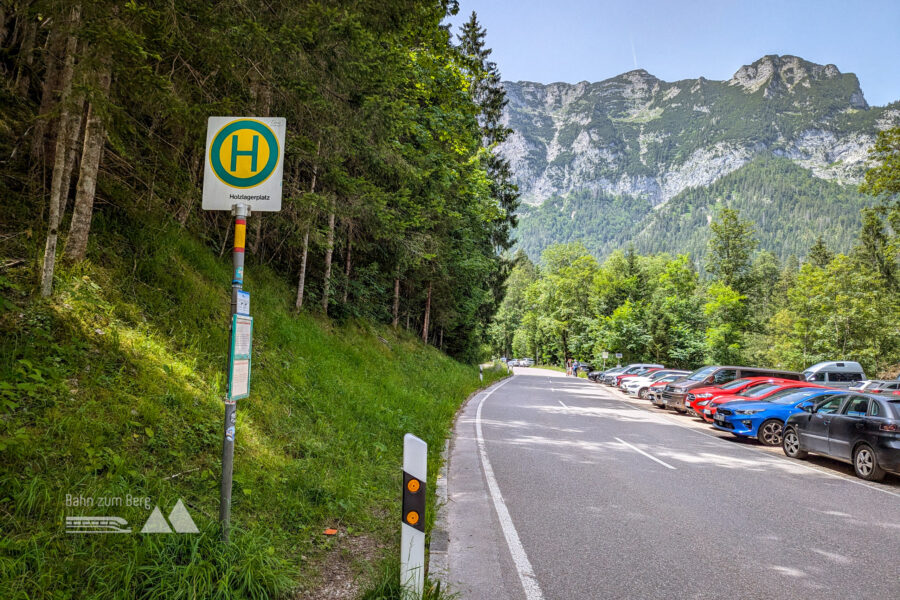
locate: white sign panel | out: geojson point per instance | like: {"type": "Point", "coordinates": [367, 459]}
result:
{"type": "Point", "coordinates": [244, 163]}
{"type": "Point", "coordinates": [242, 335]}
{"type": "Point", "coordinates": [240, 379]}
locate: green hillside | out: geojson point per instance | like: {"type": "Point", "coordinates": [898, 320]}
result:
{"type": "Point", "coordinates": [789, 207]}
{"type": "Point", "coordinates": [113, 389]}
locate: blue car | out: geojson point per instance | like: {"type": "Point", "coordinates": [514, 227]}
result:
{"type": "Point", "coordinates": [765, 419]}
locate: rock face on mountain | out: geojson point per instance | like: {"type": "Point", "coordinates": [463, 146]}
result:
{"type": "Point", "coordinates": [639, 136]}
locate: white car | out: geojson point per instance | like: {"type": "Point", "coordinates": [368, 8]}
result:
{"type": "Point", "coordinates": [635, 385]}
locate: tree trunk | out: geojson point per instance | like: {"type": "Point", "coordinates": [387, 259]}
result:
{"type": "Point", "coordinates": [55, 48]}
{"type": "Point", "coordinates": [395, 313]}
{"type": "Point", "coordinates": [302, 283]}
{"type": "Point", "coordinates": [329, 250]}
{"type": "Point", "coordinates": [427, 315]}
{"type": "Point", "coordinates": [63, 137]}
{"type": "Point", "coordinates": [76, 124]}
{"type": "Point", "coordinates": [26, 59]}
{"type": "Point", "coordinates": [347, 265]}
{"type": "Point", "coordinates": [94, 139]}
{"type": "Point", "coordinates": [441, 342]}
{"type": "Point", "coordinates": [312, 188]}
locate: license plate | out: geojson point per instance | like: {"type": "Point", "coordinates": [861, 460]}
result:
{"type": "Point", "coordinates": [687, 404]}
{"type": "Point", "coordinates": [706, 411]}
{"type": "Point", "coordinates": [720, 418]}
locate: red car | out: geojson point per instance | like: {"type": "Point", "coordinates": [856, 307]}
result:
{"type": "Point", "coordinates": [760, 391]}
{"type": "Point", "coordinates": [699, 397]}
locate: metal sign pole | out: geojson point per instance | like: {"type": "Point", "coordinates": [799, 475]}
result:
{"type": "Point", "coordinates": [241, 212]}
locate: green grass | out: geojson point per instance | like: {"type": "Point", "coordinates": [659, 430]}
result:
{"type": "Point", "coordinates": [113, 389]}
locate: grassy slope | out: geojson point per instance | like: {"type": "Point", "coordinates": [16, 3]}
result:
{"type": "Point", "coordinates": [114, 387]}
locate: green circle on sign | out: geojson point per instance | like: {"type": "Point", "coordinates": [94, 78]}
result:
{"type": "Point", "coordinates": [219, 169]}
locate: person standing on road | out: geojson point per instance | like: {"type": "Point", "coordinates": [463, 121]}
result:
{"type": "Point", "coordinates": [575, 366]}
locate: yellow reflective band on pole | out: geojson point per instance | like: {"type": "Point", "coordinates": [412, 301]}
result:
{"type": "Point", "coordinates": [240, 234]}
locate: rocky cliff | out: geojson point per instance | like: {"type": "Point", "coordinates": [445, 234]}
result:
{"type": "Point", "coordinates": [638, 136]}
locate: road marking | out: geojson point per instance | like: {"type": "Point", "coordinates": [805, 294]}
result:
{"type": "Point", "coordinates": [636, 449]}
{"type": "Point", "coordinates": [523, 565]}
{"type": "Point", "coordinates": [795, 463]}
{"type": "Point", "coordinates": [563, 404]}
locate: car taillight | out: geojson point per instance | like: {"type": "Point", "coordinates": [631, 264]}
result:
{"type": "Point", "coordinates": [890, 427]}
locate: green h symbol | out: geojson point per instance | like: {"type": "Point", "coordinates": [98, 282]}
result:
{"type": "Point", "coordinates": [252, 153]}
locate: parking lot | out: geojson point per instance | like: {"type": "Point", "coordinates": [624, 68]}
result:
{"type": "Point", "coordinates": [569, 489]}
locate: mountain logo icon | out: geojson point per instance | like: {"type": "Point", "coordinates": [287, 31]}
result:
{"type": "Point", "coordinates": [179, 518]}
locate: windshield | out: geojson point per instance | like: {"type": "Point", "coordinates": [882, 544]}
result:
{"type": "Point", "coordinates": [701, 374]}
{"type": "Point", "coordinates": [758, 390]}
{"type": "Point", "coordinates": [658, 375]}
{"type": "Point", "coordinates": [791, 396]}
{"type": "Point", "coordinates": [734, 384]}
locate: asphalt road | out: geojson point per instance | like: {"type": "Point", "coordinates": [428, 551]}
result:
{"type": "Point", "coordinates": [570, 492]}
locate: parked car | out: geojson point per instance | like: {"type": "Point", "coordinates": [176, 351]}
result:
{"type": "Point", "coordinates": [526, 362]}
{"type": "Point", "coordinates": [861, 386]}
{"type": "Point", "coordinates": [699, 397]}
{"type": "Point", "coordinates": [585, 368]}
{"type": "Point", "coordinates": [629, 370]}
{"type": "Point", "coordinates": [653, 393]}
{"type": "Point", "coordinates": [890, 388]}
{"type": "Point", "coordinates": [760, 391]}
{"type": "Point", "coordinates": [622, 377]}
{"type": "Point", "coordinates": [861, 429]}
{"type": "Point", "coordinates": [835, 373]}
{"type": "Point", "coordinates": [675, 393]}
{"type": "Point", "coordinates": [765, 419]}
{"type": "Point", "coordinates": [637, 386]}
{"type": "Point", "coordinates": [599, 375]}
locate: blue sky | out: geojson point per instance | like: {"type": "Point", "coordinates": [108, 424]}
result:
{"type": "Point", "coordinates": [576, 40]}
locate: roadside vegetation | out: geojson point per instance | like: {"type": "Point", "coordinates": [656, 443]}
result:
{"type": "Point", "coordinates": [385, 261]}
{"type": "Point", "coordinates": [742, 306]}
{"type": "Point", "coordinates": [113, 387]}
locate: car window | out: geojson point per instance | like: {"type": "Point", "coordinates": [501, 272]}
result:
{"type": "Point", "coordinates": [820, 376]}
{"type": "Point", "coordinates": [733, 385]}
{"type": "Point", "coordinates": [724, 376]}
{"type": "Point", "coordinates": [874, 409]}
{"type": "Point", "coordinates": [755, 391]}
{"type": "Point", "coordinates": [856, 407]}
{"type": "Point", "coordinates": [701, 374]}
{"type": "Point", "coordinates": [844, 377]}
{"type": "Point", "coordinates": [791, 396]}
{"type": "Point", "coordinates": [830, 406]}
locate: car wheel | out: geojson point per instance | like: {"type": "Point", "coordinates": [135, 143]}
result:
{"type": "Point", "coordinates": [791, 444]}
{"type": "Point", "coordinates": [770, 432]}
{"type": "Point", "coordinates": [642, 393]}
{"type": "Point", "coordinates": [866, 465]}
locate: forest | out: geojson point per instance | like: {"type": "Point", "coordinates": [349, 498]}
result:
{"type": "Point", "coordinates": [396, 208]}
{"type": "Point", "coordinates": [743, 305]}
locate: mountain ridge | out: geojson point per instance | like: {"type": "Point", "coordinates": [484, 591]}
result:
{"type": "Point", "coordinates": [569, 137]}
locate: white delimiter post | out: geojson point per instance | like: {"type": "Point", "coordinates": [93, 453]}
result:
{"type": "Point", "coordinates": [412, 540]}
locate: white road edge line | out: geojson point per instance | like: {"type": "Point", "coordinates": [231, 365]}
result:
{"type": "Point", "coordinates": [523, 565]}
{"type": "Point", "coordinates": [636, 449]}
{"type": "Point", "coordinates": [796, 463]}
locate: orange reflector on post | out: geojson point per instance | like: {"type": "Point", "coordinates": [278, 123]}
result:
{"type": "Point", "coordinates": [412, 517]}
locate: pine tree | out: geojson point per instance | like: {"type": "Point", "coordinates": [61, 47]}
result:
{"type": "Point", "coordinates": [819, 254]}
{"type": "Point", "coordinates": [488, 94]}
